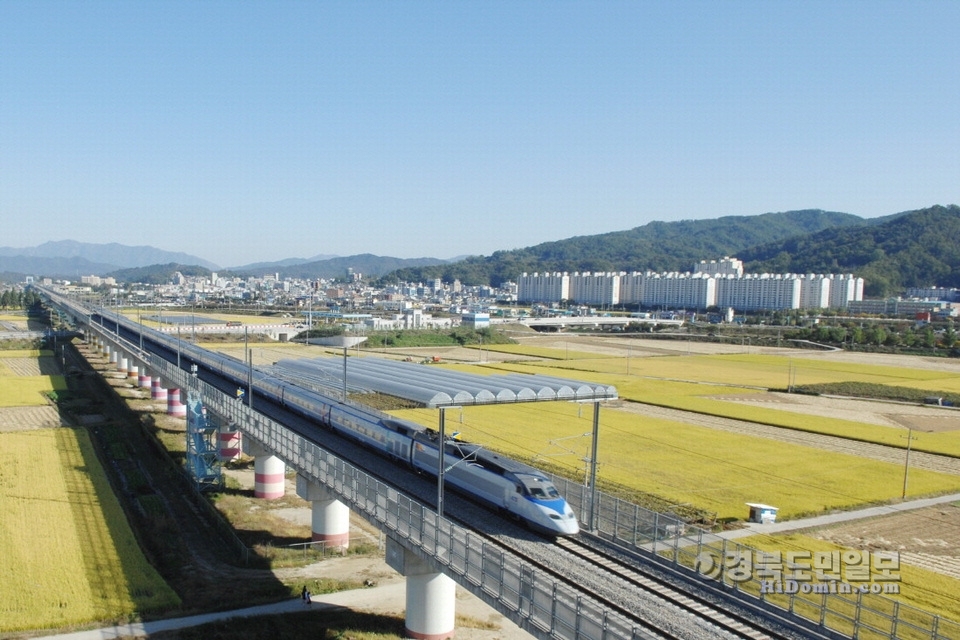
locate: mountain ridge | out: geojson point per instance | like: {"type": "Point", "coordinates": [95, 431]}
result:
{"type": "Point", "coordinates": [96, 257]}
{"type": "Point", "coordinates": [909, 248]}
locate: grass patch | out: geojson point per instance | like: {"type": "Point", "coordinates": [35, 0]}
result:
{"type": "Point", "coordinates": [24, 353]}
{"type": "Point", "coordinates": [70, 555]}
{"type": "Point", "coordinates": [876, 391]}
{"type": "Point", "coordinates": [29, 391]}
{"type": "Point", "coordinates": [317, 624]}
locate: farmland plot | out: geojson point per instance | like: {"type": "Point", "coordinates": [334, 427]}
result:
{"type": "Point", "coordinates": [69, 555]}
{"type": "Point", "coordinates": [27, 376]}
{"type": "Point", "coordinates": [928, 538]}
{"type": "Point", "coordinates": [713, 470]}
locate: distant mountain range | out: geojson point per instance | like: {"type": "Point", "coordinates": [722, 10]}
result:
{"type": "Point", "coordinates": [913, 248]}
{"type": "Point", "coordinates": [70, 259]}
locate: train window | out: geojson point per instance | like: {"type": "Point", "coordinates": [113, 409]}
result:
{"type": "Point", "coordinates": [539, 488]}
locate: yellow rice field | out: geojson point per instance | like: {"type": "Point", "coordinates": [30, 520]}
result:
{"type": "Point", "coordinates": [710, 469]}
{"type": "Point", "coordinates": [549, 353]}
{"type": "Point", "coordinates": [25, 390]}
{"type": "Point", "coordinates": [69, 554]}
{"type": "Point", "coordinates": [758, 370]}
{"type": "Point", "coordinates": [699, 395]}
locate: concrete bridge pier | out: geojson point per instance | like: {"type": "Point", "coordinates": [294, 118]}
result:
{"type": "Point", "coordinates": [230, 441]}
{"type": "Point", "coordinates": [269, 471]}
{"type": "Point", "coordinates": [175, 407]}
{"type": "Point", "coordinates": [157, 390]}
{"type": "Point", "coordinates": [330, 518]}
{"type": "Point", "coordinates": [431, 595]}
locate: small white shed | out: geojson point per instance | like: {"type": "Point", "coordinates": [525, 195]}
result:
{"type": "Point", "coordinates": [762, 513]}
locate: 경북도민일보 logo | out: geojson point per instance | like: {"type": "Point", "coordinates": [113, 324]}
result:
{"type": "Point", "coordinates": [848, 571]}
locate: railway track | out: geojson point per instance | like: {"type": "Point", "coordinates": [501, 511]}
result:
{"type": "Point", "coordinates": [729, 622]}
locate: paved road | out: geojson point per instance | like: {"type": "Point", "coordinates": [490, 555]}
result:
{"type": "Point", "coordinates": [388, 599]}
{"type": "Point", "coordinates": [753, 528]}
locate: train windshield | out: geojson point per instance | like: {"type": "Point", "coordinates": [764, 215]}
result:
{"type": "Point", "coordinates": [539, 488]}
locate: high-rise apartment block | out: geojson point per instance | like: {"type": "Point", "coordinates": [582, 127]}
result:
{"type": "Point", "coordinates": [720, 283]}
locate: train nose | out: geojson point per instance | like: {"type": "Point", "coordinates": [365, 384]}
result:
{"type": "Point", "coordinates": [568, 526]}
{"type": "Point", "coordinates": [564, 524]}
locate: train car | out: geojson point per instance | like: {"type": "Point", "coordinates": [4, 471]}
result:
{"type": "Point", "coordinates": [522, 491]}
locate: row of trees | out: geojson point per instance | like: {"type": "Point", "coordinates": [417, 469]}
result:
{"type": "Point", "coordinates": [879, 335]}
{"type": "Point", "coordinates": [941, 338]}
{"type": "Point", "coordinates": [17, 299]}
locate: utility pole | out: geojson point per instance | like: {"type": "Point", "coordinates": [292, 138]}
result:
{"type": "Point", "coordinates": [906, 463]}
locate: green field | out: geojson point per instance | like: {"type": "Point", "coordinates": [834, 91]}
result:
{"type": "Point", "coordinates": [69, 554]}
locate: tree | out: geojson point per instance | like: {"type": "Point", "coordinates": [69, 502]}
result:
{"type": "Point", "coordinates": [949, 337]}
{"type": "Point", "coordinates": [876, 335]}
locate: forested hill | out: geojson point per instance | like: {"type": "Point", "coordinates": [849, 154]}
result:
{"type": "Point", "coordinates": [912, 249]}
{"type": "Point", "coordinates": [158, 273]}
{"type": "Point", "coordinates": [658, 246]}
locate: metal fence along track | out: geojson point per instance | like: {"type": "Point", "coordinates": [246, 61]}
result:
{"type": "Point", "coordinates": [666, 540]}
{"type": "Point", "coordinates": [544, 607]}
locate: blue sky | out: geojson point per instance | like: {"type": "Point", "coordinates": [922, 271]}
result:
{"type": "Point", "coordinates": [250, 131]}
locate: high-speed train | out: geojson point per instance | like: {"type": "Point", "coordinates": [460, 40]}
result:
{"type": "Point", "coordinates": [509, 486]}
